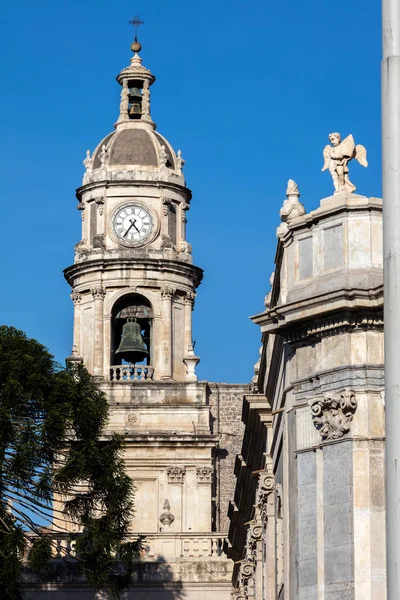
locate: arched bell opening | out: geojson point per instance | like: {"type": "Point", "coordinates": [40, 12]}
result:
{"type": "Point", "coordinates": [131, 331]}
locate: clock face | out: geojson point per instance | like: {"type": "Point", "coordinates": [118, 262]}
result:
{"type": "Point", "coordinates": [132, 224]}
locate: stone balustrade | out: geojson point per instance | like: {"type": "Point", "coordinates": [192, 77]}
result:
{"type": "Point", "coordinates": [129, 373]}
{"type": "Point", "coordinates": [184, 545]}
{"type": "Point", "coordinates": [158, 545]}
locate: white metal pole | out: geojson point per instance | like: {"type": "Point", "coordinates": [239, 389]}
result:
{"type": "Point", "coordinates": [391, 255]}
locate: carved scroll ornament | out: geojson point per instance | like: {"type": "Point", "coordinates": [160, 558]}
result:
{"type": "Point", "coordinates": [333, 414]}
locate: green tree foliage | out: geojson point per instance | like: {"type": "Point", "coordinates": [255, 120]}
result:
{"type": "Point", "coordinates": [52, 444]}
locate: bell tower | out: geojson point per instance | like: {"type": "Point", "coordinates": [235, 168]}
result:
{"type": "Point", "coordinates": [133, 263]}
{"type": "Point", "coordinates": [133, 287]}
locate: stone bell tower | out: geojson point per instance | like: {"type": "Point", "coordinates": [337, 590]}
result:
{"type": "Point", "coordinates": [133, 288]}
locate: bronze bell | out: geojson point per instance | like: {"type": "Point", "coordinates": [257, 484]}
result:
{"type": "Point", "coordinates": [132, 348]}
{"type": "Point", "coordinates": [135, 109]}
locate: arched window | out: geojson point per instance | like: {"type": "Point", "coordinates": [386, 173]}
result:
{"type": "Point", "coordinates": [132, 308]}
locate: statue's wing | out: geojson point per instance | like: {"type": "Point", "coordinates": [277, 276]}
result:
{"type": "Point", "coordinates": [347, 146]}
{"type": "Point", "coordinates": [361, 155]}
{"type": "Point", "coordinates": [326, 154]}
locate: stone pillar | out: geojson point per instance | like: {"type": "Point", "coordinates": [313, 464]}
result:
{"type": "Point", "coordinates": [189, 304]}
{"type": "Point", "coordinates": [76, 299]}
{"type": "Point", "coordinates": [391, 254]}
{"type": "Point", "coordinates": [166, 339]}
{"type": "Point", "coordinates": [98, 294]}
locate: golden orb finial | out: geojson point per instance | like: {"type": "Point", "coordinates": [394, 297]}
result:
{"type": "Point", "coordinates": [136, 46]}
{"type": "Point", "coordinates": [136, 22]}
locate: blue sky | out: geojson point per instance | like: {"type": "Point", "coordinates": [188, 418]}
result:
{"type": "Point", "coordinates": [249, 92]}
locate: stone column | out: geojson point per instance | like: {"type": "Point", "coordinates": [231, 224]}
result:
{"type": "Point", "coordinates": [167, 294]}
{"type": "Point", "coordinates": [189, 304]}
{"type": "Point", "coordinates": [76, 299]}
{"type": "Point", "coordinates": [391, 254]}
{"type": "Point", "coordinates": [98, 294]}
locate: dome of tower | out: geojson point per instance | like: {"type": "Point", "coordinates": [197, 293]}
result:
{"type": "Point", "coordinates": [137, 146]}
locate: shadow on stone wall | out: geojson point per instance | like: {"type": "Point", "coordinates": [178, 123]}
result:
{"type": "Point", "coordinates": [151, 581]}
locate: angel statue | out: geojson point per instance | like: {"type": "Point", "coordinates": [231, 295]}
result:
{"type": "Point", "coordinates": [338, 156]}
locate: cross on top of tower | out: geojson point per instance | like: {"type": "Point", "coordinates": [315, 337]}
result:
{"type": "Point", "coordinates": [136, 22]}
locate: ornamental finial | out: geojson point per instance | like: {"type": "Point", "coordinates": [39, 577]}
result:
{"type": "Point", "coordinates": [136, 22]}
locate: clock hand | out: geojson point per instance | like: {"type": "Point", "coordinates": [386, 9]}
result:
{"type": "Point", "coordinates": [130, 227]}
{"type": "Point", "coordinates": [134, 224]}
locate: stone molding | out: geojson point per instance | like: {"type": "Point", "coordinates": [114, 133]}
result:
{"type": "Point", "coordinates": [204, 475]}
{"type": "Point", "coordinates": [332, 415]}
{"type": "Point", "coordinates": [336, 325]}
{"type": "Point", "coordinates": [98, 293]}
{"type": "Point", "coordinates": [176, 474]}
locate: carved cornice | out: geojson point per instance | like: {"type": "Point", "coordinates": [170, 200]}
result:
{"type": "Point", "coordinates": [160, 185]}
{"type": "Point", "coordinates": [204, 475]}
{"type": "Point", "coordinates": [176, 474]}
{"type": "Point", "coordinates": [98, 293]}
{"type": "Point", "coordinates": [353, 307]}
{"type": "Point", "coordinates": [163, 266]}
{"type": "Point", "coordinates": [337, 325]}
{"type": "Point", "coordinates": [332, 415]}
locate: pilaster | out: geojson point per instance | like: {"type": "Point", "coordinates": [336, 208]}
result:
{"type": "Point", "coordinates": [167, 294]}
{"type": "Point", "coordinates": [98, 294]}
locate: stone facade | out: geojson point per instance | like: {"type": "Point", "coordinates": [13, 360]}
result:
{"type": "Point", "coordinates": [308, 516]}
{"type": "Point", "coordinates": [225, 401]}
{"type": "Point", "coordinates": [133, 271]}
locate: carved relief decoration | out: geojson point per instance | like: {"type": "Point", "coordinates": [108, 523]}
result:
{"type": "Point", "coordinates": [76, 297]}
{"type": "Point", "coordinates": [166, 518]}
{"type": "Point", "coordinates": [98, 293]}
{"type": "Point", "coordinates": [266, 486]}
{"type": "Point", "coordinates": [166, 204]}
{"type": "Point", "coordinates": [204, 474]}
{"type": "Point", "coordinates": [100, 204]}
{"type": "Point", "coordinates": [189, 298]}
{"type": "Point", "coordinates": [81, 206]}
{"type": "Point", "coordinates": [133, 418]}
{"type": "Point", "coordinates": [167, 292]}
{"type": "Point", "coordinates": [176, 474]}
{"type": "Point", "coordinates": [332, 415]}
